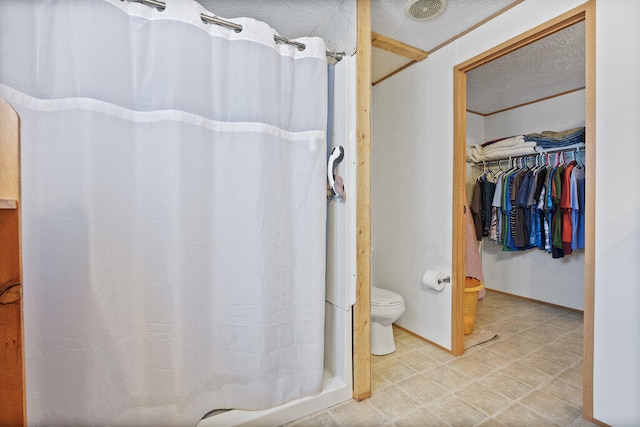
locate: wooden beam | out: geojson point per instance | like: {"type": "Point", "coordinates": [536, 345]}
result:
{"type": "Point", "coordinates": [12, 384]}
{"type": "Point", "coordinates": [394, 46]}
{"type": "Point", "coordinates": [362, 307]}
{"type": "Point", "coordinates": [590, 211]}
{"type": "Point", "coordinates": [458, 219]}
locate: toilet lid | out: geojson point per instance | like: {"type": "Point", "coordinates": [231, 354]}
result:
{"type": "Point", "coordinates": [380, 297]}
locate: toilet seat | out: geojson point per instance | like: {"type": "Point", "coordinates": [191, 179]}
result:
{"type": "Point", "coordinates": [384, 298]}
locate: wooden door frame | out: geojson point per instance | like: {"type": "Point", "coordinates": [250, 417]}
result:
{"type": "Point", "coordinates": [584, 12]}
{"type": "Point", "coordinates": [362, 307]}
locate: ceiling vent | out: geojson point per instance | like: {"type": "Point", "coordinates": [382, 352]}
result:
{"type": "Point", "coordinates": [422, 10]}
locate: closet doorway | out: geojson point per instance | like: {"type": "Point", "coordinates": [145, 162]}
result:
{"type": "Point", "coordinates": [586, 13]}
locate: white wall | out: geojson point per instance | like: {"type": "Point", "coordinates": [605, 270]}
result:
{"type": "Point", "coordinates": [412, 189]}
{"type": "Point", "coordinates": [476, 129]}
{"type": "Point", "coordinates": [534, 273]}
{"type": "Point", "coordinates": [617, 292]}
{"type": "Point", "coordinates": [560, 113]}
{"type": "Point", "coordinates": [409, 193]}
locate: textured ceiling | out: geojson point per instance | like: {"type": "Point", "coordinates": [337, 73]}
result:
{"type": "Point", "coordinates": [333, 20]}
{"type": "Point", "coordinates": [547, 67]}
{"type": "Point", "coordinates": [388, 17]}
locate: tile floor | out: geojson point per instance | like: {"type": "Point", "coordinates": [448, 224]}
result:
{"type": "Point", "coordinates": [530, 375]}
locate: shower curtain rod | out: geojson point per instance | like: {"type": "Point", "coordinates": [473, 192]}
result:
{"type": "Point", "coordinates": [237, 27]}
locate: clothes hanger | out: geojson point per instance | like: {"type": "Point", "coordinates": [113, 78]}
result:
{"type": "Point", "coordinates": [577, 158]}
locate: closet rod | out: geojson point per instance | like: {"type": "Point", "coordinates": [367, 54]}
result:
{"type": "Point", "coordinates": [208, 19]}
{"type": "Point", "coordinates": [536, 154]}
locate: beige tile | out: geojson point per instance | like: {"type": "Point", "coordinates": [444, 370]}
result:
{"type": "Point", "coordinates": [393, 370]}
{"type": "Point", "coordinates": [553, 309]}
{"type": "Point", "coordinates": [321, 419]}
{"type": "Point", "coordinates": [552, 332]}
{"type": "Point", "coordinates": [456, 411]}
{"type": "Point", "coordinates": [508, 310]}
{"type": "Point", "coordinates": [568, 345]}
{"type": "Point", "coordinates": [397, 332]}
{"type": "Point", "coordinates": [489, 358]}
{"type": "Point", "coordinates": [558, 355]}
{"type": "Point", "coordinates": [438, 354]}
{"type": "Point", "coordinates": [525, 374]}
{"type": "Point", "coordinates": [501, 328]}
{"type": "Point", "coordinates": [488, 317]}
{"type": "Point", "coordinates": [564, 391]}
{"type": "Point", "coordinates": [507, 386]}
{"type": "Point", "coordinates": [378, 382]}
{"type": "Point", "coordinates": [376, 360]}
{"type": "Point", "coordinates": [577, 334]}
{"type": "Point", "coordinates": [510, 347]}
{"type": "Point", "coordinates": [419, 417]}
{"type": "Point", "coordinates": [524, 304]}
{"type": "Point", "coordinates": [543, 364]}
{"type": "Point", "coordinates": [401, 348]}
{"type": "Point", "coordinates": [581, 422]}
{"type": "Point", "coordinates": [469, 367]}
{"type": "Point", "coordinates": [535, 334]}
{"type": "Point", "coordinates": [392, 402]}
{"type": "Point", "coordinates": [447, 377]}
{"type": "Point", "coordinates": [421, 389]}
{"type": "Point", "coordinates": [523, 343]}
{"type": "Point", "coordinates": [552, 409]}
{"type": "Point", "coordinates": [539, 314]}
{"type": "Point", "coordinates": [483, 398]}
{"type": "Point", "coordinates": [354, 413]}
{"type": "Point", "coordinates": [537, 343]}
{"type": "Point", "coordinates": [411, 341]}
{"type": "Point", "coordinates": [418, 361]}
{"type": "Point", "coordinates": [572, 375]}
{"type": "Point", "coordinates": [566, 323]}
{"type": "Point", "coordinates": [491, 423]}
{"type": "Point", "coordinates": [494, 301]}
{"type": "Point", "coordinates": [524, 321]}
{"type": "Point", "coordinates": [518, 415]}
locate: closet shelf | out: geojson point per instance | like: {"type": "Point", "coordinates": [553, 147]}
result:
{"type": "Point", "coordinates": [580, 149]}
{"type": "Point", "coordinates": [8, 204]}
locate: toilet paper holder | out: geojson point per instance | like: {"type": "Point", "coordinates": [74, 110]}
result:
{"type": "Point", "coordinates": [444, 280]}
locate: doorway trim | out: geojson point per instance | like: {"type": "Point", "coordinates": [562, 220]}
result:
{"type": "Point", "coordinates": [584, 12]}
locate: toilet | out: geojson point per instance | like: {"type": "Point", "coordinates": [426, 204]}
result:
{"type": "Point", "coordinates": [386, 308]}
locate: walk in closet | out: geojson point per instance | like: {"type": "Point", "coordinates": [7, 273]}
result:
{"type": "Point", "coordinates": [500, 93]}
{"type": "Point", "coordinates": [532, 140]}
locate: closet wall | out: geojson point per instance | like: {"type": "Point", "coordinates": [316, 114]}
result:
{"type": "Point", "coordinates": [532, 273]}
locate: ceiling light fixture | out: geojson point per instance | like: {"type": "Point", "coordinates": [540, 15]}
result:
{"type": "Point", "coordinates": [422, 10]}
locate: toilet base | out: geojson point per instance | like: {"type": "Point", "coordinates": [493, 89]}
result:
{"type": "Point", "coordinates": [382, 341]}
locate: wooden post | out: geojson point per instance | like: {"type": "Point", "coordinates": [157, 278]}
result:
{"type": "Point", "coordinates": [362, 307]}
{"type": "Point", "coordinates": [12, 387]}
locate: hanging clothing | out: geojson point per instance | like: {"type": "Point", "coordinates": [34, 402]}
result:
{"type": "Point", "coordinates": [577, 241]}
{"type": "Point", "coordinates": [565, 205]}
{"type": "Point", "coordinates": [533, 207]}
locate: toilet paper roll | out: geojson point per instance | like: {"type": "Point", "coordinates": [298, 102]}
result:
{"type": "Point", "coordinates": [434, 280]}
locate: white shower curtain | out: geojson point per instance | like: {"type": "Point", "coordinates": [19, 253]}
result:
{"type": "Point", "coordinates": [173, 211]}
